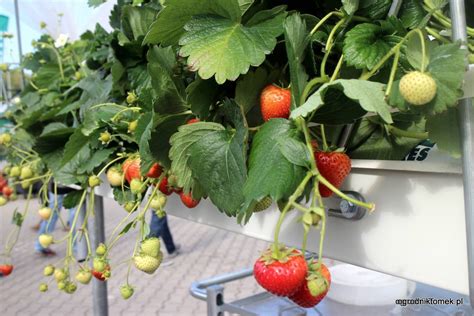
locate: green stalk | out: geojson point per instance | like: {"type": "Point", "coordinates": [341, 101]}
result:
{"type": "Point", "coordinates": [309, 86]}
{"type": "Point", "coordinates": [393, 50]}
{"type": "Point", "coordinates": [299, 190]}
{"type": "Point", "coordinates": [401, 133]}
{"type": "Point", "coordinates": [110, 163]}
{"type": "Point", "coordinates": [73, 225]}
{"type": "Point", "coordinates": [338, 69]}
{"type": "Point", "coordinates": [392, 73]}
{"type": "Point", "coordinates": [369, 206]}
{"type": "Point", "coordinates": [329, 45]}
{"type": "Point", "coordinates": [321, 22]}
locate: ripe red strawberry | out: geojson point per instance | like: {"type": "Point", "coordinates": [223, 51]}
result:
{"type": "Point", "coordinates": [188, 200]}
{"type": "Point", "coordinates": [102, 276]}
{"type": "Point", "coordinates": [155, 171]}
{"type": "Point", "coordinates": [131, 169]}
{"type": "Point", "coordinates": [6, 269]}
{"type": "Point", "coordinates": [281, 277]}
{"type": "Point", "coordinates": [334, 167]}
{"type": "Point", "coordinates": [315, 288]}
{"type": "Point", "coordinates": [7, 191]}
{"type": "Point", "coordinates": [275, 102]}
{"type": "Point", "coordinates": [193, 120]}
{"type": "Point", "coordinates": [164, 188]}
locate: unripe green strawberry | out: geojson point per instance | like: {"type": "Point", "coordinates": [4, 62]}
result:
{"type": "Point", "coordinates": [45, 240]}
{"type": "Point", "coordinates": [83, 276]}
{"type": "Point", "coordinates": [45, 213]}
{"type": "Point", "coordinates": [48, 270]}
{"type": "Point", "coordinates": [105, 137]}
{"type": "Point", "coordinates": [5, 139]}
{"type": "Point", "coordinates": [126, 291]}
{"type": "Point", "coordinates": [26, 184]}
{"type": "Point", "coordinates": [43, 287]}
{"type": "Point", "coordinates": [94, 181]}
{"type": "Point", "coordinates": [15, 171]}
{"type": "Point", "coordinates": [101, 249]}
{"type": "Point", "coordinates": [129, 206]}
{"type": "Point", "coordinates": [77, 75]}
{"type": "Point", "coordinates": [61, 285]}
{"type": "Point", "coordinates": [147, 264]}
{"type": "Point", "coordinates": [263, 204]}
{"type": "Point", "coordinates": [114, 176]}
{"type": "Point", "coordinates": [417, 88]}
{"type": "Point", "coordinates": [26, 173]}
{"type": "Point", "coordinates": [3, 201]}
{"type": "Point", "coordinates": [131, 97]}
{"type": "Point", "coordinates": [160, 213]}
{"type": "Point", "coordinates": [158, 201]}
{"type": "Point", "coordinates": [7, 169]}
{"type": "Point", "coordinates": [60, 275]}
{"type": "Point", "coordinates": [132, 126]}
{"type": "Point", "coordinates": [70, 287]}
{"type": "Point", "coordinates": [151, 247]}
{"type": "Point", "coordinates": [99, 264]}
{"type": "Point", "coordinates": [136, 186]}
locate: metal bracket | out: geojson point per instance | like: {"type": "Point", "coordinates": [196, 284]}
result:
{"type": "Point", "coordinates": [348, 210]}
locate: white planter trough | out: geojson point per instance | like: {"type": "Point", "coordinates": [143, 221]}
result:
{"type": "Point", "coordinates": [417, 232]}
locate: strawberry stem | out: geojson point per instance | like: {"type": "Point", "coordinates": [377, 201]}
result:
{"type": "Point", "coordinates": [323, 136]}
{"type": "Point", "coordinates": [299, 190]}
{"type": "Point", "coordinates": [369, 206]}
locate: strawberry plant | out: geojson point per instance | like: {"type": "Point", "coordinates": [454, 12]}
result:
{"type": "Point", "coordinates": [239, 102]}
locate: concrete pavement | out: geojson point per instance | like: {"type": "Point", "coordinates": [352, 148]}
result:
{"type": "Point", "coordinates": [206, 252]}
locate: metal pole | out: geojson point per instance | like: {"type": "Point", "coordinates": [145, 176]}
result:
{"type": "Point", "coordinates": [20, 47]}
{"type": "Point", "coordinates": [99, 288]}
{"type": "Point", "coordinates": [81, 245]}
{"type": "Point", "coordinates": [466, 128]}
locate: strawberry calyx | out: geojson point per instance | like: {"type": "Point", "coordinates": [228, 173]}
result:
{"type": "Point", "coordinates": [279, 253]}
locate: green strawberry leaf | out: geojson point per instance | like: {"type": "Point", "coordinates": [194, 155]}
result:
{"type": "Point", "coordinates": [225, 48]}
{"type": "Point", "coordinates": [447, 69]}
{"type": "Point", "coordinates": [270, 172]}
{"type": "Point", "coordinates": [122, 197]}
{"type": "Point", "coordinates": [169, 90]}
{"type": "Point", "coordinates": [296, 39]}
{"type": "Point", "coordinates": [371, 140]}
{"type": "Point", "coordinates": [17, 218]}
{"type": "Point", "coordinates": [169, 25]}
{"type": "Point", "coordinates": [350, 6]}
{"type": "Point", "coordinates": [366, 44]}
{"type": "Point", "coordinates": [96, 160]}
{"type": "Point", "coordinates": [181, 143]}
{"type": "Point", "coordinates": [72, 199]}
{"type": "Point", "coordinates": [75, 144]}
{"type": "Point", "coordinates": [249, 87]}
{"type": "Point", "coordinates": [412, 13]}
{"type": "Point", "coordinates": [201, 95]}
{"type": "Point", "coordinates": [447, 139]}
{"type": "Point", "coordinates": [166, 126]}
{"type": "Point", "coordinates": [245, 5]}
{"type": "Point", "coordinates": [218, 164]}
{"type": "Point", "coordinates": [136, 21]}
{"type": "Point", "coordinates": [295, 151]}
{"type": "Point", "coordinates": [143, 137]}
{"type": "Point", "coordinates": [338, 109]}
{"type": "Point", "coordinates": [414, 52]}
{"type": "Point", "coordinates": [370, 96]}
{"type": "Point", "coordinates": [374, 9]}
